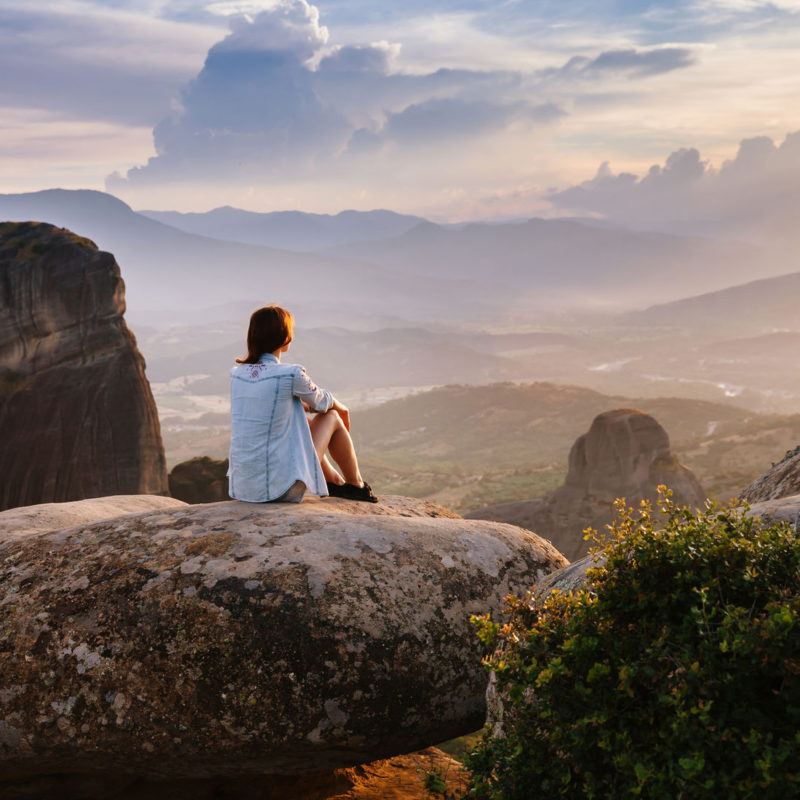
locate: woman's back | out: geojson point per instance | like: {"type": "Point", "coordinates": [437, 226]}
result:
{"type": "Point", "coordinates": [271, 443]}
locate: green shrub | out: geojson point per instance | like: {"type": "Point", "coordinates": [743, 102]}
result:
{"type": "Point", "coordinates": [673, 674]}
{"type": "Point", "coordinates": [435, 782]}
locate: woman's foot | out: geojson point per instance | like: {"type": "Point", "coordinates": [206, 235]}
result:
{"type": "Point", "coordinates": [348, 491]}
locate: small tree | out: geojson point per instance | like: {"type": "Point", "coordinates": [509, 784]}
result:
{"type": "Point", "coordinates": [674, 673]}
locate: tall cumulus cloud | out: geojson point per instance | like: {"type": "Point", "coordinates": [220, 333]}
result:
{"type": "Point", "coordinates": [276, 99]}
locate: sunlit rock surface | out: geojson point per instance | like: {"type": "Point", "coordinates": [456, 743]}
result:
{"type": "Point", "coordinates": [45, 517]}
{"type": "Point", "coordinates": [782, 480]}
{"type": "Point", "coordinates": [234, 639]}
{"type": "Point", "coordinates": [782, 509]}
{"type": "Point", "coordinates": [77, 418]}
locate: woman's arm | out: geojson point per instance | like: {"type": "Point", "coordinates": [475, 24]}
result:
{"type": "Point", "coordinates": [315, 399]}
{"type": "Point", "coordinates": [344, 412]}
{"type": "Point", "coordinates": [311, 396]}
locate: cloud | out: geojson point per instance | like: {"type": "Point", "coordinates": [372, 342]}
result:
{"type": "Point", "coordinates": [82, 62]}
{"type": "Point", "coordinates": [637, 63]}
{"type": "Point", "coordinates": [757, 191]}
{"type": "Point", "coordinates": [376, 58]}
{"type": "Point", "coordinates": [275, 99]}
{"type": "Point", "coordinates": [288, 26]}
{"type": "Point", "coordinates": [426, 123]}
{"type": "Point", "coordinates": [253, 105]}
{"type": "Point", "coordinates": [645, 22]}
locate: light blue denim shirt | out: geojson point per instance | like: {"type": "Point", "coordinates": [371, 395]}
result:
{"type": "Point", "coordinates": [271, 444]}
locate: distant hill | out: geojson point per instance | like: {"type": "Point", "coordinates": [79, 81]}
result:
{"type": "Point", "coordinates": [290, 230]}
{"type": "Point", "coordinates": [567, 264]}
{"type": "Point", "coordinates": [507, 424]}
{"type": "Point", "coordinates": [471, 446]}
{"type": "Point", "coordinates": [172, 276]}
{"type": "Point", "coordinates": [760, 306]}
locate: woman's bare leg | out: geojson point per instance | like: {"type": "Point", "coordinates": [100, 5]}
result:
{"type": "Point", "coordinates": [328, 470]}
{"type": "Point", "coordinates": [329, 433]}
{"type": "Point", "coordinates": [331, 473]}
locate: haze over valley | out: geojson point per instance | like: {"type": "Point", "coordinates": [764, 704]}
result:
{"type": "Point", "coordinates": [391, 306]}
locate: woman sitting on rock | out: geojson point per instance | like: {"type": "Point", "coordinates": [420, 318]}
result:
{"type": "Point", "coordinates": [277, 452]}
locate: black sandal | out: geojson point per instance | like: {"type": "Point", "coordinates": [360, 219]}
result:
{"type": "Point", "coordinates": [348, 491]}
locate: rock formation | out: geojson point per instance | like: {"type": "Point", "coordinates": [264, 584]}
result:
{"type": "Point", "coordinates": [219, 642]}
{"type": "Point", "coordinates": [782, 509]}
{"type": "Point", "coordinates": [77, 418]}
{"type": "Point", "coordinates": [782, 480]}
{"type": "Point", "coordinates": [200, 480]}
{"type": "Point", "coordinates": [625, 453]}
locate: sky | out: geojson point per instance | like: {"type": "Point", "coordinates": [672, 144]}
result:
{"type": "Point", "coordinates": [454, 109]}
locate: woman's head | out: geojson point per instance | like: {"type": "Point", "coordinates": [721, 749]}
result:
{"type": "Point", "coordinates": [271, 328]}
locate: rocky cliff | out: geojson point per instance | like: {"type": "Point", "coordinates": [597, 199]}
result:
{"type": "Point", "coordinates": [782, 480]}
{"type": "Point", "coordinates": [77, 418]}
{"type": "Point", "coordinates": [625, 453]}
{"type": "Point", "coordinates": [194, 648]}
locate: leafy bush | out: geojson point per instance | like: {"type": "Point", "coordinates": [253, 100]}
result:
{"type": "Point", "coordinates": [435, 782]}
{"type": "Point", "coordinates": [674, 673]}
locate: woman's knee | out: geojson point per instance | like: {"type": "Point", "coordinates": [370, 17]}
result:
{"type": "Point", "coordinates": [327, 420]}
{"type": "Point", "coordinates": [333, 416]}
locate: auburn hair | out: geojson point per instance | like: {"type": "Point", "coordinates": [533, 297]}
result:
{"type": "Point", "coordinates": [271, 327]}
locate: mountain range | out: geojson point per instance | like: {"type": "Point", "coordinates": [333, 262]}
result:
{"type": "Point", "coordinates": [549, 264]}
{"type": "Point", "coordinates": [489, 275]}
{"type": "Point", "coordinates": [173, 276]}
{"type": "Point", "coordinates": [290, 230]}
{"type": "Point", "coordinates": [767, 305]}
{"type": "Point", "coordinates": [527, 300]}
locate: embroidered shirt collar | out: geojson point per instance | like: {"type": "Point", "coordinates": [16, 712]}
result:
{"type": "Point", "coordinates": [268, 358]}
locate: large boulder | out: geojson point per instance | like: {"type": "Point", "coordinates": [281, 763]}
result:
{"type": "Point", "coordinates": [200, 480]}
{"type": "Point", "coordinates": [626, 453]}
{"type": "Point", "coordinates": [782, 509]}
{"type": "Point", "coordinates": [235, 639]}
{"type": "Point", "coordinates": [77, 418]}
{"type": "Point", "coordinates": [782, 480]}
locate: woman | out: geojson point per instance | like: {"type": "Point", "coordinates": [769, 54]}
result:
{"type": "Point", "coordinates": [277, 452]}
